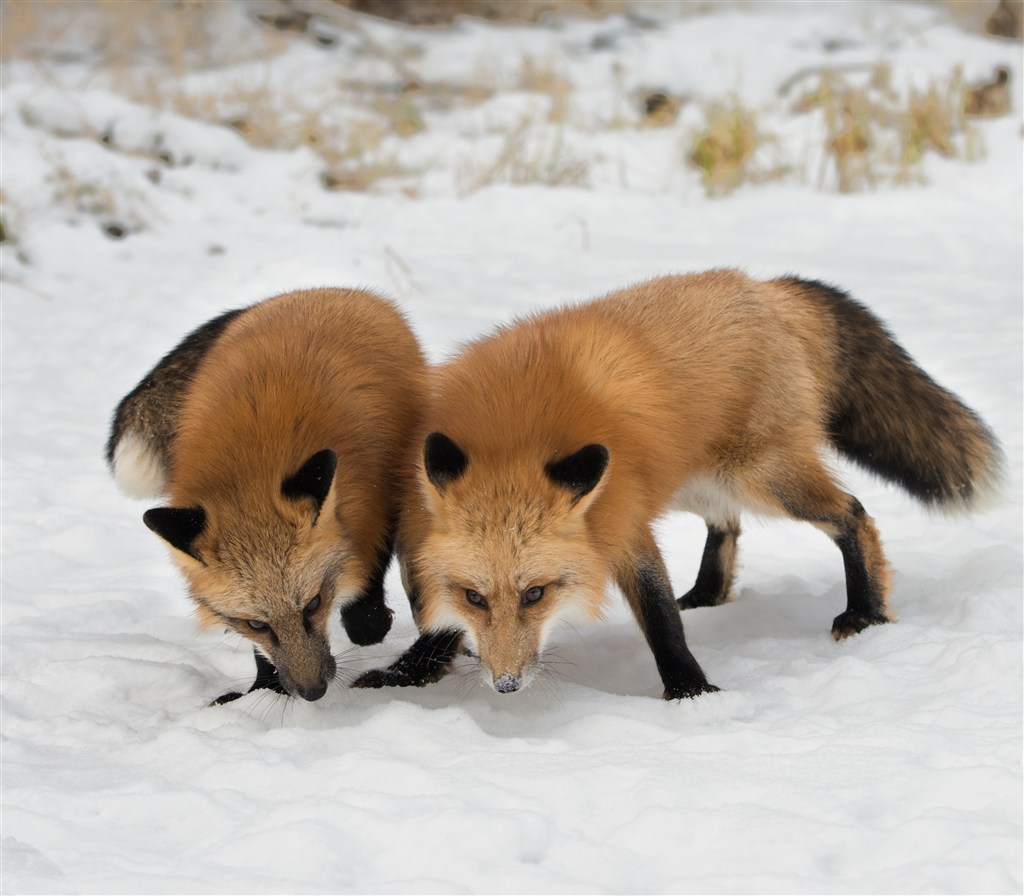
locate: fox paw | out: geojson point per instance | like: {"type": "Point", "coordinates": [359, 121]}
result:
{"type": "Point", "coordinates": [850, 622]}
{"type": "Point", "coordinates": [690, 690]}
{"type": "Point", "coordinates": [266, 678]}
{"type": "Point", "coordinates": [367, 621]}
{"type": "Point", "coordinates": [375, 678]}
{"type": "Point", "coordinates": [701, 597]}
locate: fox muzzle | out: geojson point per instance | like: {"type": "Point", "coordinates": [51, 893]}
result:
{"type": "Point", "coordinates": [314, 690]}
{"type": "Point", "coordinates": [507, 684]}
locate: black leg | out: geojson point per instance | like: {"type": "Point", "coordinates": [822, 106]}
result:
{"type": "Point", "coordinates": [367, 620]}
{"type": "Point", "coordinates": [714, 579]}
{"type": "Point", "coordinates": [844, 520]}
{"type": "Point", "coordinates": [428, 660]}
{"type": "Point", "coordinates": [865, 583]}
{"type": "Point", "coordinates": [266, 677]}
{"type": "Point", "coordinates": [647, 588]}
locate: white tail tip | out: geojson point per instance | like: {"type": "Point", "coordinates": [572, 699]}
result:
{"type": "Point", "coordinates": [138, 471]}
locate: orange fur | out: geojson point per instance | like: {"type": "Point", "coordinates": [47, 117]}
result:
{"type": "Point", "coordinates": [712, 392]}
{"type": "Point", "coordinates": [292, 376]}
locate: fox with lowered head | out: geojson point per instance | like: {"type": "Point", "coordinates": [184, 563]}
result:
{"type": "Point", "coordinates": [279, 436]}
{"type": "Point", "coordinates": [551, 447]}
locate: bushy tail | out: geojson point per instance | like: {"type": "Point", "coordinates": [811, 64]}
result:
{"type": "Point", "coordinates": [145, 421]}
{"type": "Point", "coordinates": [889, 416]}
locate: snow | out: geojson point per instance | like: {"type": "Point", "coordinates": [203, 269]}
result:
{"type": "Point", "coordinates": [889, 762]}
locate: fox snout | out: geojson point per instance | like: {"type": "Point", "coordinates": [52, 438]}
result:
{"type": "Point", "coordinates": [508, 663]}
{"type": "Point", "coordinates": [315, 690]}
{"type": "Point", "coordinates": [308, 674]}
{"type": "Point", "coordinates": [507, 684]}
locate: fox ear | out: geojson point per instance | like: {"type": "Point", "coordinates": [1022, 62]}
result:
{"type": "Point", "coordinates": [313, 479]}
{"type": "Point", "coordinates": [178, 526]}
{"type": "Point", "coordinates": [580, 472]}
{"type": "Point", "coordinates": [443, 460]}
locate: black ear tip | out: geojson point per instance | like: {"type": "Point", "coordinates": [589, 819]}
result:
{"type": "Point", "coordinates": [438, 442]}
{"type": "Point", "coordinates": [443, 459]}
{"type": "Point", "coordinates": [580, 472]}
{"type": "Point", "coordinates": [590, 462]}
{"type": "Point", "coordinates": [313, 479]}
{"type": "Point", "coordinates": [178, 526]}
{"type": "Point", "coordinates": [157, 519]}
{"type": "Point", "coordinates": [596, 454]}
{"type": "Point", "coordinates": [324, 462]}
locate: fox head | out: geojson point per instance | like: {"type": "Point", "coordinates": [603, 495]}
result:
{"type": "Point", "coordinates": [507, 555]}
{"type": "Point", "coordinates": [270, 566]}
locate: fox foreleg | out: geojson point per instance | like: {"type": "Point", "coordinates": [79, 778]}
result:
{"type": "Point", "coordinates": [645, 583]}
{"type": "Point", "coordinates": [266, 677]}
{"type": "Point", "coordinates": [428, 660]}
{"type": "Point", "coordinates": [367, 620]}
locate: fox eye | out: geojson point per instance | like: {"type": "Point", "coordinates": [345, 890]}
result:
{"type": "Point", "coordinates": [477, 600]}
{"type": "Point", "coordinates": [312, 606]}
{"type": "Point", "coordinates": [257, 625]}
{"type": "Point", "coordinates": [532, 595]}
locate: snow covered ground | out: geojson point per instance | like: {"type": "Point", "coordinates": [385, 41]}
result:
{"type": "Point", "coordinates": [890, 762]}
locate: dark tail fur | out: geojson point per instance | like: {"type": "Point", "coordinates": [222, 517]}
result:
{"type": "Point", "coordinates": [150, 411]}
{"type": "Point", "coordinates": [890, 417]}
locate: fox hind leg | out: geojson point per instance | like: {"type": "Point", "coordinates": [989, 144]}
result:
{"type": "Point", "coordinates": [815, 498]}
{"type": "Point", "coordinates": [717, 568]}
{"type": "Point", "coordinates": [867, 573]}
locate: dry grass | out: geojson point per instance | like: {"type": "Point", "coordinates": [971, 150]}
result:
{"type": "Point", "coordinates": [931, 120]}
{"type": "Point", "coordinates": [118, 210]}
{"type": "Point", "coordinates": [350, 150]}
{"type": "Point", "coordinates": [152, 52]}
{"type": "Point", "coordinates": [439, 12]}
{"type": "Point", "coordinates": [251, 109]}
{"type": "Point", "coordinates": [119, 34]}
{"type": "Point", "coordinates": [729, 149]}
{"type": "Point", "coordinates": [875, 134]}
{"type": "Point", "coordinates": [354, 159]}
{"type": "Point", "coordinates": [526, 157]}
{"type": "Point", "coordinates": [84, 196]}
{"type": "Point", "coordinates": [545, 76]}
{"type": "Point", "coordinates": [850, 118]}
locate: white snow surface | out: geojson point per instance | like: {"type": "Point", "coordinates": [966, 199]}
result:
{"type": "Point", "coordinates": [889, 762]}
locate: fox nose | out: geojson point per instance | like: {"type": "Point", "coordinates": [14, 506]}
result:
{"type": "Point", "coordinates": [313, 693]}
{"type": "Point", "coordinates": [506, 684]}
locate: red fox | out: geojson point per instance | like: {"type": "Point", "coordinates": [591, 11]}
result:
{"type": "Point", "coordinates": [280, 436]}
{"type": "Point", "coordinates": [551, 447]}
